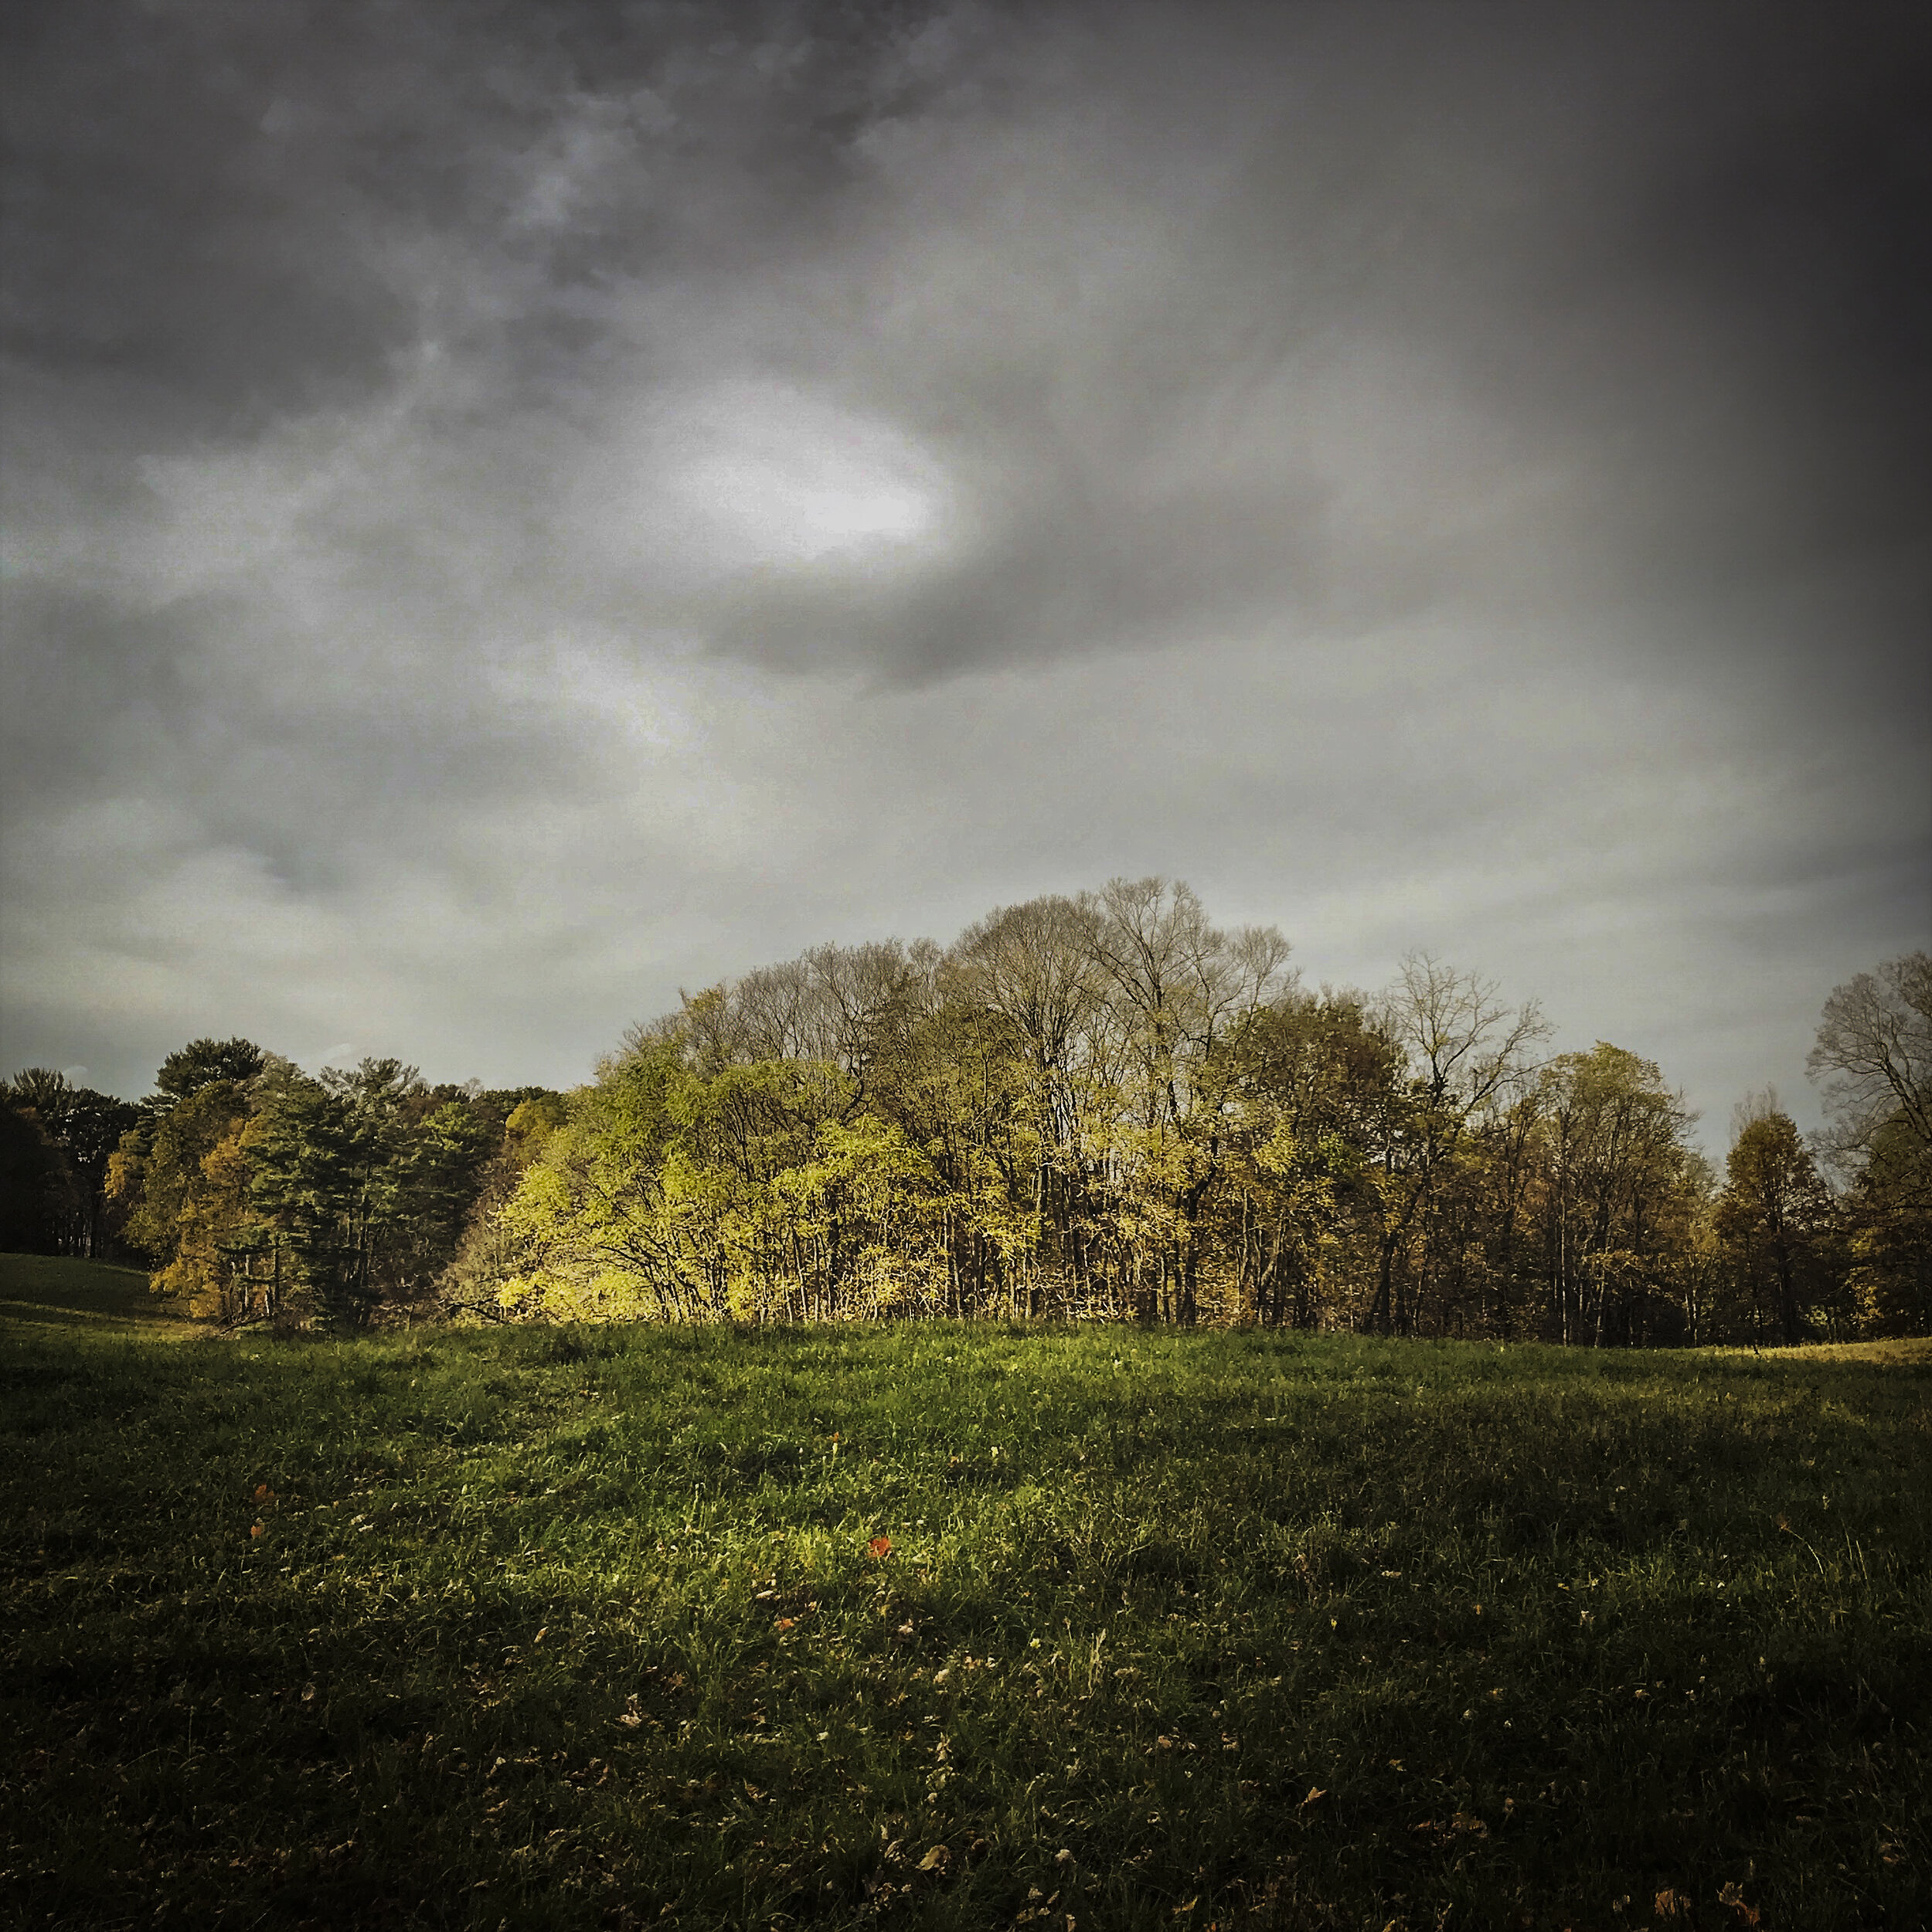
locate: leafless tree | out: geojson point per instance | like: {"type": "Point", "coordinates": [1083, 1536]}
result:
{"type": "Point", "coordinates": [1873, 1057]}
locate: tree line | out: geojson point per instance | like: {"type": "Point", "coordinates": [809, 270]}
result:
{"type": "Point", "coordinates": [1101, 1107]}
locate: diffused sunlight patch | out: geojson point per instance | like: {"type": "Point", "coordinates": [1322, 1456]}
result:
{"type": "Point", "coordinates": [779, 476]}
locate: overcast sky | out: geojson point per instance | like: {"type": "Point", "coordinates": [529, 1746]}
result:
{"type": "Point", "coordinates": [511, 511]}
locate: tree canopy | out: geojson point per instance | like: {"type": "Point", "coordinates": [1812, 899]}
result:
{"type": "Point", "coordinates": [1106, 1106]}
{"type": "Point", "coordinates": [1099, 1106]}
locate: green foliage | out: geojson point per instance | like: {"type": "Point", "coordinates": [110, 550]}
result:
{"type": "Point", "coordinates": [1098, 1108]}
{"type": "Point", "coordinates": [334, 1202]}
{"type": "Point", "coordinates": [749, 1192]}
{"type": "Point", "coordinates": [1619, 1185]}
{"type": "Point", "coordinates": [205, 1062]}
{"type": "Point", "coordinates": [590, 1627]}
{"type": "Point", "coordinates": [1777, 1222]}
{"type": "Point", "coordinates": [174, 1199]}
{"type": "Point", "coordinates": [1106, 1107]}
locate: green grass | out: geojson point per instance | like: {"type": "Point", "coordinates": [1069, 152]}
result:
{"type": "Point", "coordinates": [50, 1291]}
{"type": "Point", "coordinates": [549, 1627]}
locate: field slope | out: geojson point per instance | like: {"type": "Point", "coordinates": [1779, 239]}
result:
{"type": "Point", "coordinates": [47, 1291]}
{"type": "Point", "coordinates": [934, 1626]}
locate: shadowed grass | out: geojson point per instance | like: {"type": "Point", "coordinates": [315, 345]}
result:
{"type": "Point", "coordinates": [52, 1292]}
{"type": "Point", "coordinates": [583, 1628]}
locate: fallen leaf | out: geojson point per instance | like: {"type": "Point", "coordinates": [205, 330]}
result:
{"type": "Point", "coordinates": [1314, 1792]}
{"type": "Point", "coordinates": [255, 1532]}
{"type": "Point", "coordinates": [937, 1859]}
{"type": "Point", "coordinates": [879, 1547]}
{"type": "Point", "coordinates": [1732, 1895]}
{"type": "Point", "coordinates": [785, 1623]}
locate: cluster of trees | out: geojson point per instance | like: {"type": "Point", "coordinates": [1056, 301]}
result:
{"type": "Point", "coordinates": [258, 1193]}
{"type": "Point", "coordinates": [1106, 1107]}
{"type": "Point", "coordinates": [1103, 1107]}
{"type": "Point", "coordinates": [56, 1140]}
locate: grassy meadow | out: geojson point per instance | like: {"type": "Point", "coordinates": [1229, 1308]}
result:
{"type": "Point", "coordinates": [946, 1627]}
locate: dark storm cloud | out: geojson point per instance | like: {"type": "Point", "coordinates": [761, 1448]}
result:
{"type": "Point", "coordinates": [1674, 258]}
{"type": "Point", "coordinates": [1677, 276]}
{"type": "Point", "coordinates": [174, 230]}
{"type": "Point", "coordinates": [582, 497]}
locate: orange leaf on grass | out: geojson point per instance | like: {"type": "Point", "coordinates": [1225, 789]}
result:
{"type": "Point", "coordinates": [255, 1532]}
{"type": "Point", "coordinates": [264, 1493]}
{"type": "Point", "coordinates": [1732, 1895]}
{"type": "Point", "coordinates": [880, 1546]}
{"type": "Point", "coordinates": [785, 1623]}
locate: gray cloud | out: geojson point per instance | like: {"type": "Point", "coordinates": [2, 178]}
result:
{"type": "Point", "coordinates": [512, 510]}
